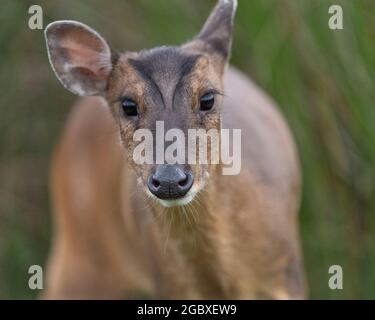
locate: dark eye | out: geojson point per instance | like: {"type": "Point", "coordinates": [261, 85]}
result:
{"type": "Point", "coordinates": [129, 107]}
{"type": "Point", "coordinates": [207, 101]}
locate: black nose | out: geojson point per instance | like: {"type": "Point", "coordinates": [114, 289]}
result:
{"type": "Point", "coordinates": [170, 182]}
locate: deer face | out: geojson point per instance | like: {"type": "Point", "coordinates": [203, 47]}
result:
{"type": "Point", "coordinates": [179, 87]}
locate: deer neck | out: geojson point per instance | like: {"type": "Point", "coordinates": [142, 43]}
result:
{"type": "Point", "coordinates": [191, 237]}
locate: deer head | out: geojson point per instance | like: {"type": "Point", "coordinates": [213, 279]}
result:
{"type": "Point", "coordinates": [179, 85]}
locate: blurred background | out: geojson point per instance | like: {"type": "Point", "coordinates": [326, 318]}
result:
{"type": "Point", "coordinates": [322, 79]}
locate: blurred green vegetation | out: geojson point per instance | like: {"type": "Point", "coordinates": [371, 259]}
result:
{"type": "Point", "coordinates": [322, 79]}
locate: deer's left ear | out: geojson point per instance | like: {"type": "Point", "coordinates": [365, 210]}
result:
{"type": "Point", "coordinates": [80, 57]}
{"type": "Point", "coordinates": [217, 31]}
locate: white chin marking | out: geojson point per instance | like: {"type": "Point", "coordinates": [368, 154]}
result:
{"type": "Point", "coordinates": [178, 202]}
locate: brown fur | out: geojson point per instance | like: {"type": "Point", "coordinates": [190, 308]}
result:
{"type": "Point", "coordinates": [238, 238]}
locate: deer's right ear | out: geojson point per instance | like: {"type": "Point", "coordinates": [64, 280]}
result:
{"type": "Point", "coordinates": [217, 31]}
{"type": "Point", "coordinates": [79, 56]}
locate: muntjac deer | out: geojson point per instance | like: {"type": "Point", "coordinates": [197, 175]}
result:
{"type": "Point", "coordinates": [130, 230]}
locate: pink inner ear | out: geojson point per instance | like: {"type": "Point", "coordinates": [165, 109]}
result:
{"type": "Point", "coordinates": [87, 52]}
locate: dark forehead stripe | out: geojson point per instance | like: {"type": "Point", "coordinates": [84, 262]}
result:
{"type": "Point", "coordinates": [164, 62]}
{"type": "Point", "coordinates": [143, 69]}
{"type": "Point", "coordinates": [188, 65]}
